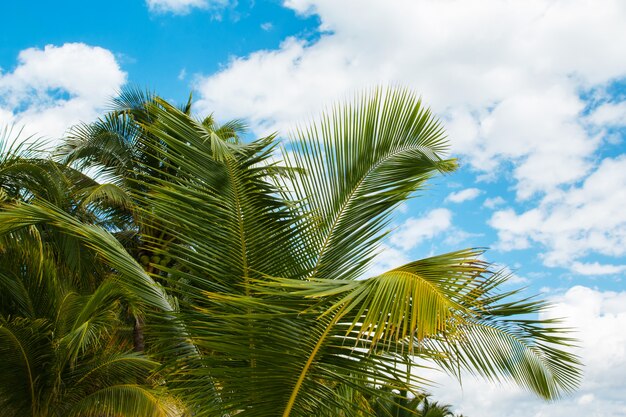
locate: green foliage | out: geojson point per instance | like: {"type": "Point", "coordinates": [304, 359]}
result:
{"type": "Point", "coordinates": [64, 342]}
{"type": "Point", "coordinates": [244, 266]}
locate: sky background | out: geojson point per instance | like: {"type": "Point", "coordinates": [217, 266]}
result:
{"type": "Point", "coordinates": [532, 94]}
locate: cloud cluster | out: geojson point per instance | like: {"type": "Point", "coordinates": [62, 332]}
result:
{"type": "Point", "coordinates": [609, 114]}
{"type": "Point", "coordinates": [573, 223]}
{"type": "Point", "coordinates": [57, 86]}
{"type": "Point", "coordinates": [598, 317]}
{"type": "Point", "coordinates": [415, 230]}
{"type": "Point", "coordinates": [506, 76]}
{"type": "Point", "coordinates": [521, 86]}
{"type": "Point", "coordinates": [493, 202]}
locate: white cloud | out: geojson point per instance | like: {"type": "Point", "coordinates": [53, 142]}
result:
{"type": "Point", "coordinates": [396, 251]}
{"type": "Point", "coordinates": [388, 258]}
{"type": "Point", "coordinates": [493, 202]}
{"type": "Point", "coordinates": [596, 268]}
{"type": "Point", "coordinates": [456, 236]}
{"type": "Point", "coordinates": [463, 195]}
{"type": "Point", "coordinates": [182, 7]}
{"type": "Point", "coordinates": [505, 77]}
{"type": "Point", "coordinates": [609, 114]}
{"type": "Point", "coordinates": [586, 399]}
{"type": "Point", "coordinates": [57, 86]}
{"type": "Point", "coordinates": [267, 26]}
{"type": "Point", "coordinates": [571, 224]}
{"type": "Point", "coordinates": [598, 317]}
{"type": "Point", "coordinates": [415, 230]}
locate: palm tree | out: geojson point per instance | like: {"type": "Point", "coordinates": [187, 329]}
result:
{"type": "Point", "coordinates": [65, 352]}
{"type": "Point", "coordinates": [120, 147]}
{"type": "Point", "coordinates": [63, 344]}
{"type": "Point", "coordinates": [387, 401]}
{"type": "Point", "coordinates": [271, 256]}
{"type": "Point", "coordinates": [269, 259]}
{"type": "Point", "coordinates": [434, 409]}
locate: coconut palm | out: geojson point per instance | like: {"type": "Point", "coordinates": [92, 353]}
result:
{"type": "Point", "coordinates": [63, 344]}
{"type": "Point", "coordinates": [64, 350]}
{"type": "Point", "coordinates": [270, 258]}
{"type": "Point", "coordinates": [120, 148]}
{"type": "Point", "coordinates": [386, 401]}
{"type": "Point", "coordinates": [434, 409]}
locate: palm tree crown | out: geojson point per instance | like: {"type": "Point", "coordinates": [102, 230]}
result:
{"type": "Point", "coordinates": [262, 309]}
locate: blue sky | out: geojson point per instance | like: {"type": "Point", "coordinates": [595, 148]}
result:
{"type": "Point", "coordinates": [153, 48]}
{"type": "Point", "coordinates": [532, 94]}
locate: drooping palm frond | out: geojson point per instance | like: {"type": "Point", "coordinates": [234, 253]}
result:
{"type": "Point", "coordinates": [105, 145]}
{"type": "Point", "coordinates": [445, 309]}
{"type": "Point", "coordinates": [504, 341]}
{"type": "Point", "coordinates": [24, 170]}
{"type": "Point", "coordinates": [131, 99]}
{"type": "Point", "coordinates": [132, 275]}
{"type": "Point", "coordinates": [62, 342]}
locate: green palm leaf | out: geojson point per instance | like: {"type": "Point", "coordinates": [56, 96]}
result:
{"type": "Point", "coordinates": [266, 275]}
{"type": "Point", "coordinates": [251, 289]}
{"type": "Point", "coordinates": [360, 161]}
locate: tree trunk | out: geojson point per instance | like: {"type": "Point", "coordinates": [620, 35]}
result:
{"type": "Point", "coordinates": [138, 342]}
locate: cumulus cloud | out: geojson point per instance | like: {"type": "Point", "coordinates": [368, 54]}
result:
{"type": "Point", "coordinates": [415, 230]}
{"type": "Point", "coordinates": [398, 247]}
{"type": "Point", "coordinates": [609, 114]}
{"type": "Point", "coordinates": [571, 224]}
{"type": "Point", "coordinates": [463, 195]}
{"type": "Point", "coordinates": [505, 77]}
{"type": "Point", "coordinates": [390, 257]}
{"type": "Point", "coordinates": [57, 86]}
{"type": "Point", "coordinates": [182, 7]}
{"type": "Point", "coordinates": [493, 202]}
{"type": "Point", "coordinates": [596, 268]}
{"type": "Point", "coordinates": [506, 80]}
{"type": "Point", "coordinates": [597, 316]}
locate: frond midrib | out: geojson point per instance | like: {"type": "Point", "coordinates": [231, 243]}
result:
{"type": "Point", "coordinates": [350, 198]}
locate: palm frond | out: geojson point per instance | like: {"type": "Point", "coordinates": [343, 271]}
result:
{"type": "Point", "coordinates": [24, 348]}
{"type": "Point", "coordinates": [505, 342]}
{"type": "Point", "coordinates": [128, 400]}
{"type": "Point", "coordinates": [93, 237]}
{"type": "Point", "coordinates": [361, 160]}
